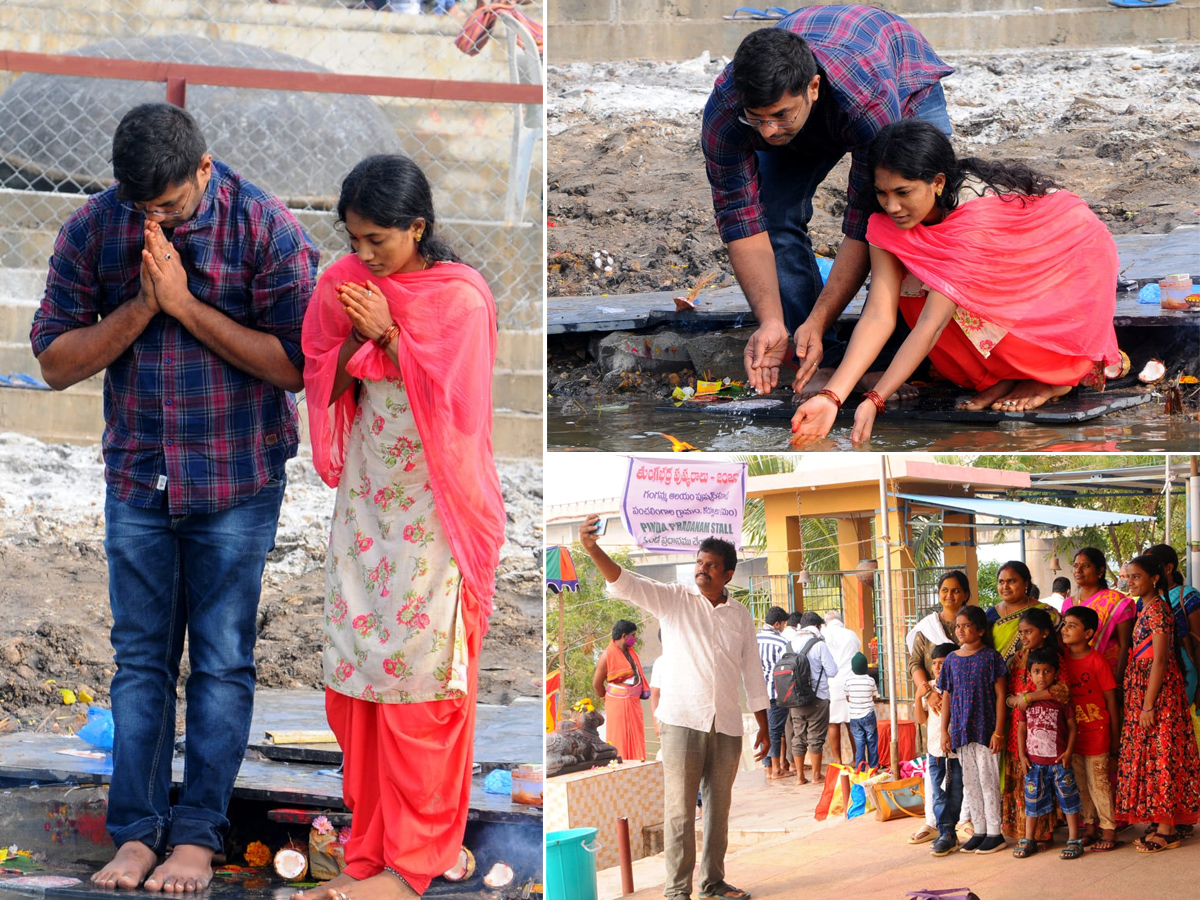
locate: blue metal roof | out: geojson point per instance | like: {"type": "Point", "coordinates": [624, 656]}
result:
{"type": "Point", "coordinates": [1017, 511]}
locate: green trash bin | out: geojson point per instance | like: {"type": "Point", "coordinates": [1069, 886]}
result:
{"type": "Point", "coordinates": [571, 864]}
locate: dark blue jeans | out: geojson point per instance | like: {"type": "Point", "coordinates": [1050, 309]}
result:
{"type": "Point", "coordinates": [777, 717]}
{"type": "Point", "coordinates": [865, 734]}
{"type": "Point", "coordinates": [947, 802]}
{"type": "Point", "coordinates": [788, 180]}
{"type": "Point", "coordinates": [170, 575]}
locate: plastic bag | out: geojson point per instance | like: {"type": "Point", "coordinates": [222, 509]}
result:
{"type": "Point", "coordinates": [498, 781]}
{"type": "Point", "coordinates": [99, 728]}
{"type": "Point", "coordinates": [836, 794]}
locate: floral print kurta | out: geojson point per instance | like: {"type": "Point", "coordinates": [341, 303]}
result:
{"type": "Point", "coordinates": [393, 628]}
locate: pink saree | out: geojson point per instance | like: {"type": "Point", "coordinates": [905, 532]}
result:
{"type": "Point", "coordinates": [1112, 607]}
{"type": "Point", "coordinates": [446, 350]}
{"type": "Point", "coordinates": [1045, 271]}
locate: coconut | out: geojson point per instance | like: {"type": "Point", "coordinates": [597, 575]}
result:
{"type": "Point", "coordinates": [464, 868]}
{"type": "Point", "coordinates": [500, 875]}
{"type": "Point", "coordinates": [291, 864]}
{"type": "Point", "coordinates": [1118, 369]}
{"type": "Point", "coordinates": [1153, 372]}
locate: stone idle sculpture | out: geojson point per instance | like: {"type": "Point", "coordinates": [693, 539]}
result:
{"type": "Point", "coordinates": [577, 745]}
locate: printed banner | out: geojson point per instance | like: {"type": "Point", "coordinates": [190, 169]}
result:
{"type": "Point", "coordinates": [670, 506]}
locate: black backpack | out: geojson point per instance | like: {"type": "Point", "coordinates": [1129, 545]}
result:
{"type": "Point", "coordinates": [792, 677]}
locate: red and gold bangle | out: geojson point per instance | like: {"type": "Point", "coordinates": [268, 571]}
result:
{"type": "Point", "coordinates": [832, 396]}
{"type": "Point", "coordinates": [874, 397]}
{"type": "Point", "coordinates": [385, 340]}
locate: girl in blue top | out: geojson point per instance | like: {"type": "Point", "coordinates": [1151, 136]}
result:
{"type": "Point", "coordinates": [974, 681]}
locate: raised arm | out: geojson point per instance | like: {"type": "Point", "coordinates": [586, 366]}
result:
{"type": "Point", "coordinates": [587, 537]}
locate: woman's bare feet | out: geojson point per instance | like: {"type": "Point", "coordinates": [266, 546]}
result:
{"type": "Point", "coordinates": [326, 891]}
{"type": "Point", "coordinates": [1029, 394]}
{"type": "Point", "coordinates": [128, 868]}
{"type": "Point", "coordinates": [815, 384]}
{"type": "Point", "coordinates": [987, 397]}
{"type": "Point", "coordinates": [186, 870]}
{"type": "Point", "coordinates": [384, 886]}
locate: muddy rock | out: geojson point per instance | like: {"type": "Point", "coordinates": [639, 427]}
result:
{"type": "Point", "coordinates": [622, 351]}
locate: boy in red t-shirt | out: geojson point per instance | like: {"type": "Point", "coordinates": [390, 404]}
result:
{"type": "Point", "coordinates": [1094, 696]}
{"type": "Point", "coordinates": [1046, 742]}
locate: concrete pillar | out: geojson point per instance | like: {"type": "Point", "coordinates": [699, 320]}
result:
{"type": "Point", "coordinates": [1039, 552]}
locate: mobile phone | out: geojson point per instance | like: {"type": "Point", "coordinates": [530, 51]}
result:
{"type": "Point", "coordinates": [601, 527]}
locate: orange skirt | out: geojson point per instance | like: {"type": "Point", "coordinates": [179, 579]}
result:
{"type": "Point", "coordinates": [959, 360]}
{"type": "Point", "coordinates": [624, 726]}
{"type": "Point", "coordinates": [407, 775]}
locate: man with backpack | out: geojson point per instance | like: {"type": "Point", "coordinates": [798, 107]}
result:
{"type": "Point", "coordinates": [713, 649]}
{"type": "Point", "coordinates": [802, 685]}
{"type": "Point", "coordinates": [772, 645]}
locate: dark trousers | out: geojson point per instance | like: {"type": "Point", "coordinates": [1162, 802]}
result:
{"type": "Point", "coordinates": [947, 801]}
{"type": "Point", "coordinates": [777, 717]}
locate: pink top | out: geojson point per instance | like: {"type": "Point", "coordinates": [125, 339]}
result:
{"type": "Point", "coordinates": [1044, 270]}
{"type": "Point", "coordinates": [446, 350]}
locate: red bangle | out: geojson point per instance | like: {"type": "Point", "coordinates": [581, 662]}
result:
{"type": "Point", "coordinates": [874, 397]}
{"type": "Point", "coordinates": [832, 396]}
{"type": "Point", "coordinates": [385, 340]}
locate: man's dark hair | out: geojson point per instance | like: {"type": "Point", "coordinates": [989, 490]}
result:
{"type": "Point", "coordinates": [621, 628]}
{"type": "Point", "coordinates": [941, 651]}
{"type": "Point", "coordinates": [794, 619]}
{"type": "Point", "coordinates": [721, 548]}
{"type": "Point", "coordinates": [1060, 585]}
{"type": "Point", "coordinates": [392, 191]}
{"type": "Point", "coordinates": [155, 147]}
{"type": "Point", "coordinates": [1087, 617]}
{"type": "Point", "coordinates": [769, 63]}
{"type": "Point", "coordinates": [775, 615]}
{"type": "Point", "coordinates": [1046, 656]}
{"type": "Point", "coordinates": [811, 619]}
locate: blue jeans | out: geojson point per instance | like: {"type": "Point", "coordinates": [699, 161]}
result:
{"type": "Point", "coordinates": [788, 180]}
{"type": "Point", "coordinates": [199, 574]}
{"type": "Point", "coordinates": [864, 733]}
{"type": "Point", "coordinates": [947, 803]}
{"type": "Point", "coordinates": [777, 717]}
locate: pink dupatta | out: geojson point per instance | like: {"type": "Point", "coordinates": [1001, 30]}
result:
{"type": "Point", "coordinates": [446, 349]}
{"type": "Point", "coordinates": [1045, 270]}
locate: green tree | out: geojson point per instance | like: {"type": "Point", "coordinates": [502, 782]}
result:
{"type": "Point", "coordinates": [985, 577]}
{"type": "Point", "coordinates": [586, 624]}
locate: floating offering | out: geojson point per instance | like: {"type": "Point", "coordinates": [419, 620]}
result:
{"type": "Point", "coordinates": [1118, 369]}
{"type": "Point", "coordinates": [499, 876]}
{"type": "Point", "coordinates": [291, 863]}
{"type": "Point", "coordinates": [1153, 372]}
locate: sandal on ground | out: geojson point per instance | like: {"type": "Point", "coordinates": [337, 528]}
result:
{"type": "Point", "coordinates": [1156, 843]}
{"type": "Point", "coordinates": [1025, 848]}
{"type": "Point", "coordinates": [923, 834]}
{"type": "Point", "coordinates": [1088, 839]}
{"type": "Point", "coordinates": [726, 891]}
{"type": "Point", "coordinates": [1185, 831]}
{"type": "Point", "coordinates": [1106, 846]}
{"type": "Point", "coordinates": [1073, 850]}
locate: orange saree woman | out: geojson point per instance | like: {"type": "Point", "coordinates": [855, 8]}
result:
{"type": "Point", "coordinates": [624, 684]}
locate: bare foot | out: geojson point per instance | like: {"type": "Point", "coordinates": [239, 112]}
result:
{"type": "Point", "coordinates": [128, 868]}
{"type": "Point", "coordinates": [1030, 394]}
{"type": "Point", "coordinates": [814, 385]}
{"type": "Point", "coordinates": [187, 869]}
{"type": "Point", "coordinates": [801, 780]}
{"type": "Point", "coordinates": [905, 392]}
{"type": "Point", "coordinates": [384, 886]}
{"type": "Point", "coordinates": [986, 398]}
{"type": "Point", "coordinates": [326, 891]}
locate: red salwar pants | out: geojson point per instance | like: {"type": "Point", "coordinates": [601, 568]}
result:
{"type": "Point", "coordinates": [407, 775]}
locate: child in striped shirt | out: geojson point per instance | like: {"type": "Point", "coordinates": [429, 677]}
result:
{"type": "Point", "coordinates": [861, 692]}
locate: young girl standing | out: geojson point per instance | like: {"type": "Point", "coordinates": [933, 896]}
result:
{"type": "Point", "coordinates": [1158, 776]}
{"type": "Point", "coordinates": [1035, 630]}
{"type": "Point", "coordinates": [973, 679]}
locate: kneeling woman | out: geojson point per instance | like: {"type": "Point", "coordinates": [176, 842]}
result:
{"type": "Point", "coordinates": [399, 341]}
{"type": "Point", "coordinates": [1008, 284]}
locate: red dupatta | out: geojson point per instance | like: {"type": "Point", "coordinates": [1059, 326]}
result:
{"type": "Point", "coordinates": [1045, 269]}
{"type": "Point", "coordinates": [446, 350]}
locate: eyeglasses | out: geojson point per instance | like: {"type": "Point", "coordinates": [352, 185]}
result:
{"type": "Point", "coordinates": [169, 213]}
{"type": "Point", "coordinates": [772, 123]}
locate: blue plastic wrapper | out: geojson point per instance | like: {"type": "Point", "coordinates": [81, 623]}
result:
{"type": "Point", "coordinates": [498, 781]}
{"type": "Point", "coordinates": [99, 728]}
{"type": "Point", "coordinates": [825, 265]}
{"type": "Point", "coordinates": [1151, 293]}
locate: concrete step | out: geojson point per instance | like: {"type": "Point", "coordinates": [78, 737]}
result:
{"type": "Point", "coordinates": [517, 435]}
{"type": "Point", "coordinates": [15, 321]}
{"type": "Point", "coordinates": [516, 390]}
{"type": "Point", "coordinates": [585, 31]}
{"type": "Point", "coordinates": [520, 349]}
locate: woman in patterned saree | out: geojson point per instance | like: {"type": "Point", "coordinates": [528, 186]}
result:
{"type": "Point", "coordinates": [1008, 283]}
{"type": "Point", "coordinates": [1116, 612]}
{"type": "Point", "coordinates": [399, 340]}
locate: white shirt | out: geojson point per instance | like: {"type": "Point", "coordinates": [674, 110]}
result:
{"type": "Point", "coordinates": [789, 633]}
{"type": "Point", "coordinates": [820, 660]}
{"type": "Point", "coordinates": [1056, 600]}
{"type": "Point", "coordinates": [711, 647]}
{"type": "Point", "coordinates": [843, 644]}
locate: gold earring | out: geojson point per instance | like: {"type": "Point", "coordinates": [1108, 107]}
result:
{"type": "Point", "coordinates": [938, 192]}
{"type": "Point", "coordinates": [417, 237]}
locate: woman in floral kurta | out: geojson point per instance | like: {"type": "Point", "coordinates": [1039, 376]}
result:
{"type": "Point", "coordinates": [399, 341]}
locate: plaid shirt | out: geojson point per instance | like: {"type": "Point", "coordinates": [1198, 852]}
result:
{"type": "Point", "coordinates": [177, 415]}
{"type": "Point", "coordinates": [874, 67]}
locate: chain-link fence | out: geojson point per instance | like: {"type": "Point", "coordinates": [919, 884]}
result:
{"type": "Point", "coordinates": [483, 159]}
